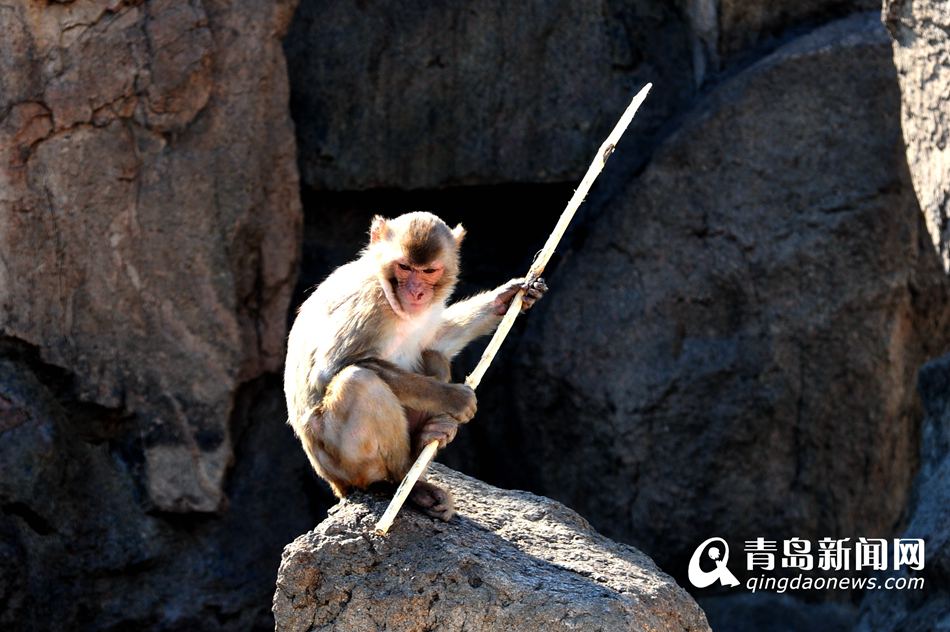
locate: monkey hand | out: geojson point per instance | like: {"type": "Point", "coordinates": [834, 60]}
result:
{"type": "Point", "coordinates": [506, 293]}
{"type": "Point", "coordinates": [460, 402]}
{"type": "Point", "coordinates": [441, 428]}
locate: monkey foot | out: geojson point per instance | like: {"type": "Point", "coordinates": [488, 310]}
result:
{"type": "Point", "coordinates": [433, 500]}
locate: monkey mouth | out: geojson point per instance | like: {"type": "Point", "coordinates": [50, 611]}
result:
{"type": "Point", "coordinates": [411, 305]}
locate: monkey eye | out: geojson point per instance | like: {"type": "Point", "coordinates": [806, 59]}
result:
{"type": "Point", "coordinates": [429, 270]}
{"type": "Point", "coordinates": [403, 266]}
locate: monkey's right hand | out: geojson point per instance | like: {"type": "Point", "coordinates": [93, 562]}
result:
{"type": "Point", "coordinates": [460, 402]}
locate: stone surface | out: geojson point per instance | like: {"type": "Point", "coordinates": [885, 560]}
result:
{"type": "Point", "coordinates": [726, 32]}
{"type": "Point", "coordinates": [921, 32]}
{"type": "Point", "coordinates": [421, 95]}
{"type": "Point", "coordinates": [79, 549]}
{"type": "Point", "coordinates": [928, 608]}
{"type": "Point", "coordinates": [732, 350]}
{"type": "Point", "coordinates": [149, 214]}
{"type": "Point", "coordinates": [922, 54]}
{"type": "Point", "coordinates": [509, 561]}
{"type": "Point", "coordinates": [934, 386]}
{"type": "Point", "coordinates": [743, 23]}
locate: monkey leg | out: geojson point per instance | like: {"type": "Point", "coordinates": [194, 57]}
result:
{"type": "Point", "coordinates": [363, 437]}
{"type": "Point", "coordinates": [427, 427]}
{"type": "Point", "coordinates": [321, 461]}
{"type": "Point", "coordinates": [423, 428]}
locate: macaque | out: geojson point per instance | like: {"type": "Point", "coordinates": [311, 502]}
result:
{"type": "Point", "coordinates": [367, 377]}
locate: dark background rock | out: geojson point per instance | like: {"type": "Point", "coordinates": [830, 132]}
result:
{"type": "Point", "coordinates": [743, 24]}
{"type": "Point", "coordinates": [928, 608]}
{"type": "Point", "coordinates": [730, 34]}
{"type": "Point", "coordinates": [420, 95]}
{"type": "Point", "coordinates": [744, 612]}
{"type": "Point", "coordinates": [508, 561]}
{"type": "Point", "coordinates": [921, 46]}
{"type": "Point", "coordinates": [79, 540]}
{"type": "Point", "coordinates": [746, 356]}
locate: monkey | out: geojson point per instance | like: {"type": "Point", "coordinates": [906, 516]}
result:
{"type": "Point", "coordinates": [367, 377]}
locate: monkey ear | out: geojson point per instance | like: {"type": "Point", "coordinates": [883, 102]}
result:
{"type": "Point", "coordinates": [379, 229]}
{"type": "Point", "coordinates": [459, 233]}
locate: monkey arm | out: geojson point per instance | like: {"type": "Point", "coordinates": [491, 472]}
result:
{"type": "Point", "coordinates": [477, 316]}
{"type": "Point", "coordinates": [420, 392]}
{"type": "Point", "coordinates": [464, 321]}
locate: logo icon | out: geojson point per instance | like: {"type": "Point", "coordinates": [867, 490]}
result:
{"type": "Point", "coordinates": [700, 578]}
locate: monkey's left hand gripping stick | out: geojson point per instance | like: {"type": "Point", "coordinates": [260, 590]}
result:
{"type": "Point", "coordinates": [607, 148]}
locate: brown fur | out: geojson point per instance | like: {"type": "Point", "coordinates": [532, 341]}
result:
{"type": "Point", "coordinates": [436, 365]}
{"type": "Point", "coordinates": [423, 239]}
{"type": "Point", "coordinates": [422, 392]}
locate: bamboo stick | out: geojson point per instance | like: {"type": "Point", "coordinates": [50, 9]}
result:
{"type": "Point", "coordinates": [537, 267]}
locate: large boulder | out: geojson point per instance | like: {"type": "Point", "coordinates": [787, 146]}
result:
{"type": "Point", "coordinates": [732, 350]}
{"type": "Point", "coordinates": [921, 32]}
{"type": "Point", "coordinates": [509, 561]}
{"type": "Point", "coordinates": [421, 95]}
{"type": "Point", "coordinates": [150, 214]}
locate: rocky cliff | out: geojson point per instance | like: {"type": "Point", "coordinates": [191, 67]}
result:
{"type": "Point", "coordinates": [149, 215]}
{"type": "Point", "coordinates": [149, 243]}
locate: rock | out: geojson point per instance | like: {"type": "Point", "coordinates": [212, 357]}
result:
{"type": "Point", "coordinates": [934, 386]}
{"type": "Point", "coordinates": [732, 349]}
{"type": "Point", "coordinates": [730, 32]}
{"type": "Point", "coordinates": [425, 95]}
{"type": "Point", "coordinates": [931, 522]}
{"type": "Point", "coordinates": [743, 23]}
{"type": "Point", "coordinates": [510, 560]}
{"type": "Point", "coordinates": [921, 32]}
{"type": "Point", "coordinates": [77, 540]}
{"type": "Point", "coordinates": [150, 215]}
{"type": "Point", "coordinates": [744, 612]}
{"type": "Point", "coordinates": [931, 517]}
{"type": "Point", "coordinates": [926, 608]}
{"type": "Point", "coordinates": [922, 56]}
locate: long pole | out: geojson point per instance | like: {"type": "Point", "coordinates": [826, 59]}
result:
{"type": "Point", "coordinates": [537, 267]}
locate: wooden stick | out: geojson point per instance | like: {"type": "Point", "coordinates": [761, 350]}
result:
{"type": "Point", "coordinates": [537, 267]}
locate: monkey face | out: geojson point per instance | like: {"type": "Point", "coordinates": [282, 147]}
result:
{"type": "Point", "coordinates": [415, 285]}
{"type": "Point", "coordinates": [418, 255]}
